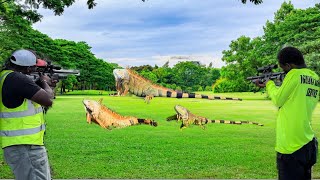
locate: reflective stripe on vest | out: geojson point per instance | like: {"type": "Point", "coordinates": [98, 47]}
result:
{"type": "Point", "coordinates": [23, 131]}
{"type": "Point", "coordinates": [29, 112]}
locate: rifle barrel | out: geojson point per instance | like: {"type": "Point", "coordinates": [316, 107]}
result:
{"type": "Point", "coordinates": [274, 75]}
{"type": "Point", "coordinates": [67, 71]}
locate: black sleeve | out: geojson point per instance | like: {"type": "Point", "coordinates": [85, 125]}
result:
{"type": "Point", "coordinates": [17, 87]}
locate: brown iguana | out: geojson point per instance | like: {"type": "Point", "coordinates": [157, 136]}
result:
{"type": "Point", "coordinates": [106, 118]}
{"type": "Point", "coordinates": [188, 118]}
{"type": "Point", "coordinates": [129, 81]}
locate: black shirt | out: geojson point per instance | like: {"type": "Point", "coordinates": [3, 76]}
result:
{"type": "Point", "coordinates": [17, 87]}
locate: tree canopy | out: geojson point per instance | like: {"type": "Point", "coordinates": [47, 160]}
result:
{"type": "Point", "coordinates": [290, 27]}
{"type": "Point", "coordinates": [16, 33]}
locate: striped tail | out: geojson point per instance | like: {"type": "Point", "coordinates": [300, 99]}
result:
{"type": "Point", "coordinates": [148, 121]}
{"type": "Point", "coordinates": [234, 122]}
{"type": "Point", "coordinates": [198, 96]}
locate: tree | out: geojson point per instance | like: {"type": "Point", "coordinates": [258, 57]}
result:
{"type": "Point", "coordinates": [294, 27]}
{"type": "Point", "coordinates": [142, 68]}
{"type": "Point", "coordinates": [187, 74]}
{"type": "Point", "coordinates": [150, 76]}
{"type": "Point", "coordinates": [17, 33]}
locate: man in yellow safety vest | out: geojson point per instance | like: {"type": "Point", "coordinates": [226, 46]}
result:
{"type": "Point", "coordinates": [22, 123]}
{"type": "Point", "coordinates": [296, 98]}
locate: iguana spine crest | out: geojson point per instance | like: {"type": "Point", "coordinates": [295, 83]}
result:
{"type": "Point", "coordinates": [129, 81]}
{"type": "Point", "coordinates": [106, 118]}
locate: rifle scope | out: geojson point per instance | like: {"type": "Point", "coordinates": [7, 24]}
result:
{"type": "Point", "coordinates": [267, 68]}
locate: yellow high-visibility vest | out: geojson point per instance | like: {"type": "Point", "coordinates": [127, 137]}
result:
{"type": "Point", "coordinates": [296, 99]}
{"type": "Point", "coordinates": [21, 125]}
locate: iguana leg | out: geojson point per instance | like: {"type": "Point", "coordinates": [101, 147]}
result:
{"type": "Point", "coordinates": [182, 126]}
{"type": "Point", "coordinates": [88, 118]}
{"type": "Point", "coordinates": [148, 98]}
{"type": "Point", "coordinates": [125, 87]}
{"type": "Point", "coordinates": [179, 117]}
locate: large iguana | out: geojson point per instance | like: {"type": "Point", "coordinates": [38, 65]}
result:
{"type": "Point", "coordinates": [106, 118]}
{"type": "Point", "coordinates": [188, 118]}
{"type": "Point", "coordinates": [129, 81]}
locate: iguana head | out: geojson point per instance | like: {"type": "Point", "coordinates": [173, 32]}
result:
{"type": "Point", "coordinates": [121, 74]}
{"type": "Point", "coordinates": [122, 78]}
{"type": "Point", "coordinates": [91, 107]}
{"type": "Point", "coordinates": [181, 110]}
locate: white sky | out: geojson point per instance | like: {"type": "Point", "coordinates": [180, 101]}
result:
{"type": "Point", "coordinates": [133, 33]}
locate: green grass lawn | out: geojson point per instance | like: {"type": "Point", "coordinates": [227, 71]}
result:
{"type": "Point", "coordinates": [80, 150]}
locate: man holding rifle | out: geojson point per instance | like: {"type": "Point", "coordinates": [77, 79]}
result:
{"type": "Point", "coordinates": [296, 98]}
{"type": "Point", "coordinates": [22, 123]}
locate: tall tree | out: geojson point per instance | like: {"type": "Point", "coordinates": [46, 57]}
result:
{"type": "Point", "coordinates": [295, 27]}
{"type": "Point", "coordinates": [187, 74]}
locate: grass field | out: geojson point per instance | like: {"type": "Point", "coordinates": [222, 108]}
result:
{"type": "Point", "coordinates": [80, 150]}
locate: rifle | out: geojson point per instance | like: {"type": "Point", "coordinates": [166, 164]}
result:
{"type": "Point", "coordinates": [265, 73]}
{"type": "Point", "coordinates": [53, 71]}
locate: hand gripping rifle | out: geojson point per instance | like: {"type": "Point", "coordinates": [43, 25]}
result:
{"type": "Point", "coordinates": [56, 73]}
{"type": "Point", "coordinates": [265, 73]}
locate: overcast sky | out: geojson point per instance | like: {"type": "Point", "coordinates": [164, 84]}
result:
{"type": "Point", "coordinates": [133, 33]}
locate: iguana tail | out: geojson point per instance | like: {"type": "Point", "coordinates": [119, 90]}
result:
{"type": "Point", "coordinates": [198, 96]}
{"type": "Point", "coordinates": [148, 121]}
{"type": "Point", "coordinates": [172, 118]}
{"type": "Point", "coordinates": [131, 122]}
{"type": "Point", "coordinates": [234, 122]}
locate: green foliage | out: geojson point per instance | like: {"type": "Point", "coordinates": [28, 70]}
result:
{"type": "Point", "coordinates": [17, 33]}
{"type": "Point", "coordinates": [189, 90]}
{"type": "Point", "coordinates": [190, 76]}
{"type": "Point", "coordinates": [187, 74]}
{"type": "Point", "coordinates": [70, 81]}
{"type": "Point", "coordinates": [149, 75]}
{"type": "Point", "coordinates": [296, 27]}
{"type": "Point", "coordinates": [88, 92]}
{"type": "Point", "coordinates": [142, 68]}
{"type": "Point", "coordinates": [216, 86]}
{"type": "Point", "coordinates": [178, 88]}
{"type": "Point", "coordinates": [208, 88]}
